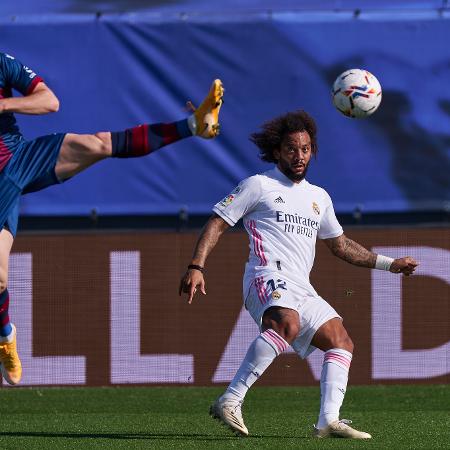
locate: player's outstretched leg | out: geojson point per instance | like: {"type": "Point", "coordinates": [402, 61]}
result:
{"type": "Point", "coordinates": [10, 365]}
{"type": "Point", "coordinates": [340, 429]}
{"type": "Point", "coordinates": [230, 414]}
{"type": "Point", "coordinates": [205, 120]}
{"type": "Point", "coordinates": [78, 152]}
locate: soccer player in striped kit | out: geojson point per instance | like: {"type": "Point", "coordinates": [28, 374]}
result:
{"type": "Point", "coordinates": [284, 215]}
{"type": "Point", "coordinates": [31, 165]}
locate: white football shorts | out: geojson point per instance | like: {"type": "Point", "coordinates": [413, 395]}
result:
{"type": "Point", "coordinates": [314, 311]}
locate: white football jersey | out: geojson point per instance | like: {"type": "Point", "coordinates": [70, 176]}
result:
{"type": "Point", "coordinates": [283, 220]}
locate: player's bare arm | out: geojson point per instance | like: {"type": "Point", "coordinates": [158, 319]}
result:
{"type": "Point", "coordinates": [354, 253]}
{"type": "Point", "coordinates": [350, 251]}
{"type": "Point", "coordinates": [210, 235]}
{"type": "Point", "coordinates": [41, 101]}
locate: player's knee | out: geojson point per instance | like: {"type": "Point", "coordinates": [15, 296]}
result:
{"type": "Point", "coordinates": [96, 146]}
{"type": "Point", "coordinates": [289, 330]}
{"type": "Point", "coordinates": [102, 147]}
{"type": "Point", "coordinates": [89, 145]}
{"type": "Point", "coordinates": [344, 342]}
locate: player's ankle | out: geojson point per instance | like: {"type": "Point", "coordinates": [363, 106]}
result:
{"type": "Point", "coordinates": [192, 124]}
{"type": "Point", "coordinates": [326, 419]}
{"type": "Point", "coordinates": [7, 335]}
{"type": "Point", "coordinates": [231, 397]}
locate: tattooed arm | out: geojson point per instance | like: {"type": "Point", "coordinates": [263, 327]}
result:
{"type": "Point", "coordinates": [350, 251]}
{"type": "Point", "coordinates": [354, 253]}
{"type": "Point", "coordinates": [193, 278]}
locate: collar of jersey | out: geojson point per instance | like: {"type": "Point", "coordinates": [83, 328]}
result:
{"type": "Point", "coordinates": [279, 175]}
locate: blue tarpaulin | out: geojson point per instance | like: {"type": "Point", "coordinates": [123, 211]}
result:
{"type": "Point", "coordinates": [114, 71]}
{"type": "Point", "coordinates": [14, 7]}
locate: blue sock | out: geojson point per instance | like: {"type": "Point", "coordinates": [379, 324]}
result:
{"type": "Point", "coordinates": [144, 139]}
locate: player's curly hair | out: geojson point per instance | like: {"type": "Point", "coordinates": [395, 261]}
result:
{"type": "Point", "coordinates": [274, 131]}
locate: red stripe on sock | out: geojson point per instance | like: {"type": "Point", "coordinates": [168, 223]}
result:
{"type": "Point", "coordinates": [5, 306]}
{"type": "Point", "coordinates": [169, 133]}
{"type": "Point", "coordinates": [139, 140]}
{"type": "Point", "coordinates": [4, 316]}
{"type": "Point", "coordinates": [276, 339]}
{"type": "Point", "coordinates": [336, 357]}
{"type": "Point", "coordinates": [4, 321]}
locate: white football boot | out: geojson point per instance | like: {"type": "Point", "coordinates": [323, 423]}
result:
{"type": "Point", "coordinates": [340, 429]}
{"type": "Point", "coordinates": [229, 413]}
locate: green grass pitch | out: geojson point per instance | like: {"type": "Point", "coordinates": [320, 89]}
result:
{"type": "Point", "coordinates": [398, 417]}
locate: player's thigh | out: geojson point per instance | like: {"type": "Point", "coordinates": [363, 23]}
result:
{"type": "Point", "coordinates": [6, 242]}
{"type": "Point", "coordinates": [79, 151]}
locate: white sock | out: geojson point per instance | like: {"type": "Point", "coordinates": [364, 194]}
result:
{"type": "Point", "coordinates": [192, 124]}
{"type": "Point", "coordinates": [333, 383]}
{"type": "Point", "coordinates": [262, 351]}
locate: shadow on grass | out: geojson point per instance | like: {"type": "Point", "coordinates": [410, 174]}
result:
{"type": "Point", "coordinates": [143, 436]}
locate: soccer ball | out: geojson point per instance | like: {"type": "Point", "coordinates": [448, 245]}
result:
{"type": "Point", "coordinates": [356, 93]}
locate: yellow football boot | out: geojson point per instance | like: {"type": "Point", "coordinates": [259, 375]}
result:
{"type": "Point", "coordinates": [205, 121]}
{"type": "Point", "coordinates": [9, 360]}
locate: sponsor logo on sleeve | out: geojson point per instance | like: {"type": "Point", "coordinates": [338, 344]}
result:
{"type": "Point", "coordinates": [227, 200]}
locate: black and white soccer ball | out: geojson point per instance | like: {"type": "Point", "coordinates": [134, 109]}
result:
{"type": "Point", "coordinates": [356, 93]}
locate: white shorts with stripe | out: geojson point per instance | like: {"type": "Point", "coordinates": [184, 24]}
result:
{"type": "Point", "coordinates": [266, 291]}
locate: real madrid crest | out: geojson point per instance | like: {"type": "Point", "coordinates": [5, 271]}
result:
{"type": "Point", "coordinates": [276, 295]}
{"type": "Point", "coordinates": [316, 208]}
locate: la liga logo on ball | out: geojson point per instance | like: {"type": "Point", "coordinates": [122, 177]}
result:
{"type": "Point", "coordinates": [356, 93]}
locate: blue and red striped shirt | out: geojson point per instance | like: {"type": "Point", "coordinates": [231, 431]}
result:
{"type": "Point", "coordinates": [13, 75]}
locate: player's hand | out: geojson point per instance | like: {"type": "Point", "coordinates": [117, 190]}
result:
{"type": "Point", "coordinates": [191, 281]}
{"type": "Point", "coordinates": [406, 265]}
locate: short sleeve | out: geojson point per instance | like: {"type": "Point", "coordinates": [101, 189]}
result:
{"type": "Point", "coordinates": [240, 201]}
{"type": "Point", "coordinates": [18, 76]}
{"type": "Point", "coordinates": [329, 225]}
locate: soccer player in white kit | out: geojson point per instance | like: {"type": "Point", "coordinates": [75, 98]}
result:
{"type": "Point", "coordinates": [284, 215]}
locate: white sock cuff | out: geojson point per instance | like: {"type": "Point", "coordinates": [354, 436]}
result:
{"type": "Point", "coordinates": [338, 356]}
{"type": "Point", "coordinates": [275, 341]}
{"type": "Point", "coordinates": [192, 124]}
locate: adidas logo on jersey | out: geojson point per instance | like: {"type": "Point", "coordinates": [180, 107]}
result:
{"type": "Point", "coordinates": [279, 200]}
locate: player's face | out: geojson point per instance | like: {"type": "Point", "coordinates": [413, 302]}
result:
{"type": "Point", "coordinates": [294, 155]}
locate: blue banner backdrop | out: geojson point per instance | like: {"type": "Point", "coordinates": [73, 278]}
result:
{"type": "Point", "coordinates": [14, 7]}
{"type": "Point", "coordinates": [115, 71]}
